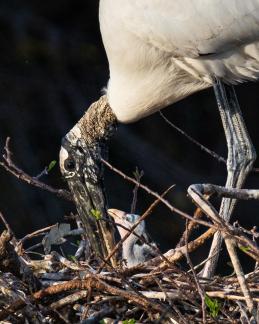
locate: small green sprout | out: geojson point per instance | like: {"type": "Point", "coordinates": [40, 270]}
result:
{"type": "Point", "coordinates": [213, 306]}
{"type": "Point", "coordinates": [244, 248]}
{"type": "Point", "coordinates": [51, 165]}
{"type": "Point", "coordinates": [138, 174]}
{"type": "Point", "coordinates": [129, 321]}
{"type": "Point", "coordinates": [96, 214]}
{"type": "Point", "coordinates": [72, 258]}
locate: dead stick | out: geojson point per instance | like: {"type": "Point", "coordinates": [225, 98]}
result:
{"type": "Point", "coordinates": [230, 244]}
{"type": "Point", "coordinates": [94, 283]}
{"type": "Point", "coordinates": [156, 195]}
{"type": "Point", "coordinates": [199, 287]}
{"type": "Point", "coordinates": [10, 167]}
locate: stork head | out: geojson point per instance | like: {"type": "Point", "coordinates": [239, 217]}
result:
{"type": "Point", "coordinates": [127, 221]}
{"type": "Point", "coordinates": [80, 163]}
{"type": "Point", "coordinates": [134, 250]}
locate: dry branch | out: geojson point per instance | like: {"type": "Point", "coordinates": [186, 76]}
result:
{"type": "Point", "coordinates": [10, 167]}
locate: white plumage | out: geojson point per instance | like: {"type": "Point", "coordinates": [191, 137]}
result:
{"type": "Point", "coordinates": [161, 51]}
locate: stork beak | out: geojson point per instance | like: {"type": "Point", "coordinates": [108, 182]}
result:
{"type": "Point", "coordinates": [81, 166]}
{"type": "Point", "coordinates": [119, 218]}
{"type": "Point", "coordinates": [116, 214]}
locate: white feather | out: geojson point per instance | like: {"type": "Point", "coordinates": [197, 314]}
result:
{"type": "Point", "coordinates": [161, 51]}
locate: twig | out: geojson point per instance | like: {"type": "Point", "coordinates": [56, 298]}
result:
{"type": "Point", "coordinates": [228, 296]}
{"type": "Point", "coordinates": [199, 287]}
{"type": "Point", "coordinates": [71, 299]}
{"type": "Point", "coordinates": [128, 283]}
{"type": "Point", "coordinates": [195, 192]}
{"type": "Point", "coordinates": [177, 254]}
{"type": "Point", "coordinates": [6, 223]}
{"type": "Point", "coordinates": [42, 173]}
{"type": "Point", "coordinates": [98, 316]}
{"type": "Point", "coordinates": [190, 227]}
{"type": "Point", "coordinates": [130, 231]}
{"type": "Point", "coordinates": [156, 195]}
{"type": "Point", "coordinates": [9, 166]}
{"type": "Point", "coordinates": [204, 261]}
{"type": "Point", "coordinates": [213, 154]}
{"type": "Point", "coordinates": [191, 139]}
{"type": "Point", "coordinates": [66, 262]}
{"type": "Point", "coordinates": [230, 244]}
{"type": "Point", "coordinates": [35, 233]}
{"type": "Point", "coordinates": [243, 311]}
{"type": "Point", "coordinates": [83, 246]}
{"type": "Point", "coordinates": [93, 282]}
{"type": "Point", "coordinates": [138, 176]}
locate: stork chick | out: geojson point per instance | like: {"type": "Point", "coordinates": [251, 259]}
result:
{"type": "Point", "coordinates": [134, 251]}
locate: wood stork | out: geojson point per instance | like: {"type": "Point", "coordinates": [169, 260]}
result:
{"type": "Point", "coordinates": [134, 251]}
{"type": "Point", "coordinates": [159, 52]}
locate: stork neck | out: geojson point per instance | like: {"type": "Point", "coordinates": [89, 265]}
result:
{"type": "Point", "coordinates": [98, 123]}
{"type": "Point", "coordinates": [129, 249]}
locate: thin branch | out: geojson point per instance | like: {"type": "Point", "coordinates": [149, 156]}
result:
{"type": "Point", "coordinates": [205, 149]}
{"type": "Point", "coordinates": [95, 283]}
{"type": "Point", "coordinates": [230, 244]}
{"type": "Point", "coordinates": [138, 175]}
{"type": "Point", "coordinates": [190, 227]}
{"type": "Point", "coordinates": [199, 287]}
{"type": "Point", "coordinates": [195, 192]}
{"type": "Point", "coordinates": [156, 195]}
{"type": "Point", "coordinates": [10, 167]}
{"type": "Point", "coordinates": [70, 299]}
{"type": "Point", "coordinates": [178, 253]}
{"type": "Point", "coordinates": [130, 231]}
{"type": "Point", "coordinates": [191, 139]}
{"type": "Point", "coordinates": [6, 223]}
{"type": "Point", "coordinates": [36, 233]}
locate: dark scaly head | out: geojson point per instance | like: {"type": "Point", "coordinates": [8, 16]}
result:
{"type": "Point", "coordinates": [80, 162]}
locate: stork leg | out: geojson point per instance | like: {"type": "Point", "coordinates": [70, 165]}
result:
{"type": "Point", "coordinates": [241, 156]}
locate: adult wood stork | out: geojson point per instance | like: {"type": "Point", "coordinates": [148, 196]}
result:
{"type": "Point", "coordinates": [134, 251]}
{"type": "Point", "coordinates": [159, 52]}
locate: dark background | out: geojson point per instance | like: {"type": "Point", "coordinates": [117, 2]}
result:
{"type": "Point", "coordinates": [52, 67]}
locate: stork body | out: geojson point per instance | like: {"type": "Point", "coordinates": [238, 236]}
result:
{"type": "Point", "coordinates": [133, 250]}
{"type": "Point", "coordinates": [159, 52]}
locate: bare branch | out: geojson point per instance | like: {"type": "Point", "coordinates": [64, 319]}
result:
{"type": "Point", "coordinates": [10, 167]}
{"type": "Point", "coordinates": [191, 139]}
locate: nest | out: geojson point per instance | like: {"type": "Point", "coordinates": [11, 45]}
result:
{"type": "Point", "coordinates": [58, 289]}
{"type": "Point", "coordinates": [51, 287]}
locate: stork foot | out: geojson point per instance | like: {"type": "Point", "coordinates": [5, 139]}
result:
{"type": "Point", "coordinates": [198, 192]}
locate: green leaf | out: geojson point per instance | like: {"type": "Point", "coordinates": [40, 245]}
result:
{"type": "Point", "coordinates": [96, 214]}
{"type": "Point", "coordinates": [102, 322]}
{"type": "Point", "coordinates": [72, 258]}
{"type": "Point", "coordinates": [51, 165]}
{"type": "Point", "coordinates": [138, 174]}
{"type": "Point", "coordinates": [129, 321]}
{"type": "Point", "coordinates": [244, 248]}
{"type": "Point", "coordinates": [213, 306]}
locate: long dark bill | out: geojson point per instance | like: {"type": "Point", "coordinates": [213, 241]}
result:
{"type": "Point", "coordinates": [84, 174]}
